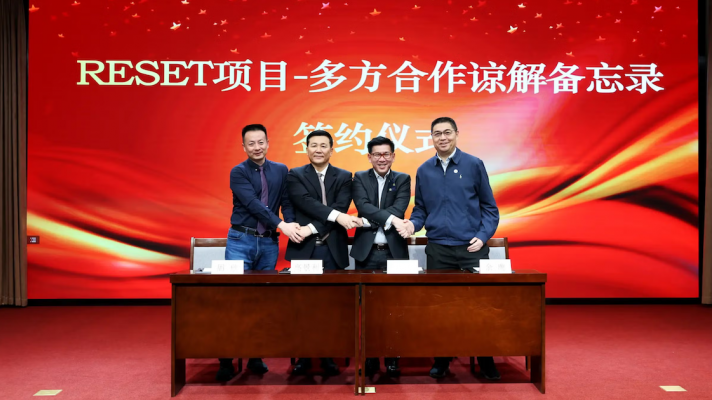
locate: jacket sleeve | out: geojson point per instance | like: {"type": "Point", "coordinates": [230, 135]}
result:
{"type": "Point", "coordinates": [287, 209]}
{"type": "Point", "coordinates": [420, 213]}
{"type": "Point", "coordinates": [246, 195]}
{"type": "Point", "coordinates": [364, 206]}
{"type": "Point", "coordinates": [402, 198]}
{"type": "Point", "coordinates": [488, 206]}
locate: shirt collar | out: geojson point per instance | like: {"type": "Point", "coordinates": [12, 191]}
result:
{"type": "Point", "coordinates": [454, 157]}
{"type": "Point", "coordinates": [379, 176]}
{"type": "Point", "coordinates": [323, 171]}
{"type": "Point", "coordinates": [254, 165]}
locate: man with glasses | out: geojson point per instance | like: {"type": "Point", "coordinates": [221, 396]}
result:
{"type": "Point", "coordinates": [381, 196]}
{"type": "Point", "coordinates": [459, 216]}
{"type": "Point", "coordinates": [258, 192]}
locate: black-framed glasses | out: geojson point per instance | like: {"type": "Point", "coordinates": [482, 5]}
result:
{"type": "Point", "coordinates": [387, 155]}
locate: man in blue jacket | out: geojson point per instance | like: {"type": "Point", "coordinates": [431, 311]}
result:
{"type": "Point", "coordinates": [459, 216]}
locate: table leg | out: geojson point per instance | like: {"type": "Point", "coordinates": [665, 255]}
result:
{"type": "Point", "coordinates": [357, 340]}
{"type": "Point", "coordinates": [538, 363]}
{"type": "Point", "coordinates": [537, 373]}
{"type": "Point", "coordinates": [177, 364]}
{"type": "Point", "coordinates": [363, 341]}
{"type": "Point", "coordinates": [177, 375]}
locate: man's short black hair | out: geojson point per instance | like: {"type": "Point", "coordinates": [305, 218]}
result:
{"type": "Point", "coordinates": [442, 120]}
{"type": "Point", "coordinates": [321, 133]}
{"type": "Point", "coordinates": [379, 140]}
{"type": "Point", "coordinates": [253, 127]}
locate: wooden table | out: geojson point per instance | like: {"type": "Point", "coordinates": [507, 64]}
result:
{"type": "Point", "coordinates": [448, 313]}
{"type": "Point", "coordinates": [437, 313]}
{"type": "Point", "coordinates": [257, 315]}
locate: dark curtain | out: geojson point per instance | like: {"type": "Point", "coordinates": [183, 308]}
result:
{"type": "Point", "coordinates": [13, 155]}
{"type": "Point", "coordinates": [705, 50]}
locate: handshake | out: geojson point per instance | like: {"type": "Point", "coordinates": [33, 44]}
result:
{"type": "Point", "coordinates": [349, 221]}
{"type": "Point", "coordinates": [404, 227]}
{"type": "Point", "coordinates": [298, 233]}
{"type": "Point", "coordinates": [294, 231]}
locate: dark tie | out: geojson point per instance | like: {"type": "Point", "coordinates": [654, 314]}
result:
{"type": "Point", "coordinates": [264, 198]}
{"type": "Point", "coordinates": [323, 198]}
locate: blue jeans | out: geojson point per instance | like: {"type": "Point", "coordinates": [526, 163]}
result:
{"type": "Point", "coordinates": [259, 253]}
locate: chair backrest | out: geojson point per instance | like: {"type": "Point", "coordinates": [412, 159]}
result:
{"type": "Point", "coordinates": [204, 250]}
{"type": "Point", "coordinates": [498, 248]}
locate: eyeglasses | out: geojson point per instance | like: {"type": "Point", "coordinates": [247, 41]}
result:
{"type": "Point", "coordinates": [386, 156]}
{"type": "Point", "coordinates": [447, 133]}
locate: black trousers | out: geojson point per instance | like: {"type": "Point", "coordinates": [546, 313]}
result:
{"type": "Point", "coordinates": [324, 254]}
{"type": "Point", "coordinates": [377, 259]}
{"type": "Point", "coordinates": [455, 257]}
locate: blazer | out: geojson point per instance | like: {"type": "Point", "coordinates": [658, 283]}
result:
{"type": "Point", "coordinates": [394, 201]}
{"type": "Point", "coordinates": [304, 193]}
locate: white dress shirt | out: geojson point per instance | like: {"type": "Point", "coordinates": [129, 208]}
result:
{"type": "Point", "coordinates": [380, 235]}
{"type": "Point", "coordinates": [334, 213]}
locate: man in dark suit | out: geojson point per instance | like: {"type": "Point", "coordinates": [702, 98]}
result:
{"type": "Point", "coordinates": [320, 194]}
{"type": "Point", "coordinates": [381, 196]}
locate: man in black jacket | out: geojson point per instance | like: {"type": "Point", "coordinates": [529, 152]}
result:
{"type": "Point", "coordinates": [320, 194]}
{"type": "Point", "coordinates": [381, 196]}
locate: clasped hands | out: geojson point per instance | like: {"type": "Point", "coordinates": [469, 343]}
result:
{"type": "Point", "coordinates": [297, 233]}
{"type": "Point", "coordinates": [404, 227]}
{"type": "Point", "coordinates": [349, 221]}
{"type": "Point", "coordinates": [294, 231]}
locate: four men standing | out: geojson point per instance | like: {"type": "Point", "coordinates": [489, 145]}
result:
{"type": "Point", "coordinates": [459, 217]}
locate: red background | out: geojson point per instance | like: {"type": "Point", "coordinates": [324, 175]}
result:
{"type": "Point", "coordinates": [598, 190]}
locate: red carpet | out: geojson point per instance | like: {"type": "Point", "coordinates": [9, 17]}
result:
{"type": "Point", "coordinates": [593, 352]}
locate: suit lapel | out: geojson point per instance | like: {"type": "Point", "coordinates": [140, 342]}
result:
{"type": "Point", "coordinates": [372, 187]}
{"type": "Point", "coordinates": [384, 194]}
{"type": "Point", "coordinates": [329, 181]}
{"type": "Point", "coordinates": [313, 179]}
